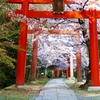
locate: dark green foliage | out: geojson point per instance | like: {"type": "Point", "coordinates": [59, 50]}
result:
{"type": "Point", "coordinates": [7, 76]}
{"type": "Point", "coordinates": [75, 74]}
{"type": "Point", "coordinates": [28, 75]}
{"type": "Point", "coordinates": [49, 73]}
{"type": "Point", "coordinates": [2, 78]}
{"type": "Point", "coordinates": [9, 31]}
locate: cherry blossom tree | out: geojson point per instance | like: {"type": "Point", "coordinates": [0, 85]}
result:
{"type": "Point", "coordinates": [53, 48]}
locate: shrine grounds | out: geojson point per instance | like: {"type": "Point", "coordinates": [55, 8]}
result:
{"type": "Point", "coordinates": [33, 88]}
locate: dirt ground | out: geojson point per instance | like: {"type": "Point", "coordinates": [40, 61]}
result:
{"type": "Point", "coordinates": [20, 93]}
{"type": "Point", "coordinates": [29, 90]}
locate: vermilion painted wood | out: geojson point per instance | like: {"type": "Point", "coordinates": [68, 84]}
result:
{"type": "Point", "coordinates": [55, 72]}
{"type": "Point", "coordinates": [94, 61]}
{"type": "Point", "coordinates": [97, 14]}
{"type": "Point", "coordinates": [38, 1]}
{"type": "Point", "coordinates": [58, 73]}
{"type": "Point", "coordinates": [21, 60]}
{"type": "Point", "coordinates": [49, 14]}
{"type": "Point", "coordinates": [34, 59]}
{"type": "Point", "coordinates": [78, 67]}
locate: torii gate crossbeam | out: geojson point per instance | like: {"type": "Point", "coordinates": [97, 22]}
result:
{"type": "Point", "coordinates": [38, 1]}
{"type": "Point", "coordinates": [49, 14]}
{"type": "Point", "coordinates": [92, 15]}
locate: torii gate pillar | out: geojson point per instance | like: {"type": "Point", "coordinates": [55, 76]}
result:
{"type": "Point", "coordinates": [34, 59]}
{"type": "Point", "coordinates": [94, 65]}
{"type": "Point", "coordinates": [78, 67]}
{"type": "Point", "coordinates": [21, 60]}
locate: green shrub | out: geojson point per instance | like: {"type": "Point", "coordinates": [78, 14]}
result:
{"type": "Point", "coordinates": [7, 76]}
{"type": "Point", "coordinates": [49, 73]}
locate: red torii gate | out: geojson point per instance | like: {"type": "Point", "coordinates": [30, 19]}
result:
{"type": "Point", "coordinates": [92, 15]}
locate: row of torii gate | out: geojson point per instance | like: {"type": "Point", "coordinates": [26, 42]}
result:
{"type": "Point", "coordinates": [91, 14]}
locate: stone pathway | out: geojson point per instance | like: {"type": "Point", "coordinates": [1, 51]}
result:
{"type": "Point", "coordinates": [55, 89]}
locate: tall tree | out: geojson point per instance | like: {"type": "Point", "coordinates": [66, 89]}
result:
{"type": "Point", "coordinates": [8, 47]}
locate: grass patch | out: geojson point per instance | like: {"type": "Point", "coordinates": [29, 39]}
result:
{"type": "Point", "coordinates": [15, 96]}
{"type": "Point", "coordinates": [14, 93]}
{"type": "Point", "coordinates": [70, 84]}
{"type": "Point", "coordinates": [40, 82]}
